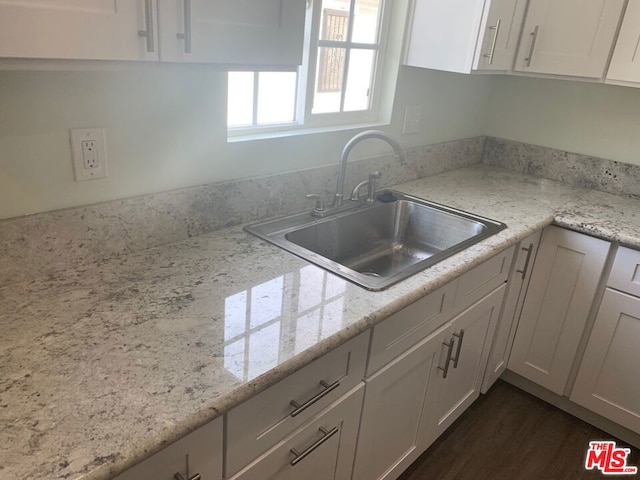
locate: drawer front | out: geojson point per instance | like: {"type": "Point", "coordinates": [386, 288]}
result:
{"type": "Point", "coordinates": [324, 448]}
{"type": "Point", "coordinates": [625, 273]}
{"type": "Point", "coordinates": [200, 451]}
{"type": "Point", "coordinates": [404, 329]}
{"type": "Point", "coordinates": [264, 420]}
{"type": "Point", "coordinates": [482, 280]}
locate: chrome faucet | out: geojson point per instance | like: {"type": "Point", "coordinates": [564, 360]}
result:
{"type": "Point", "coordinates": [342, 172]}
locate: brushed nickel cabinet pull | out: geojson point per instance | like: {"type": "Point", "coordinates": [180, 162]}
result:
{"type": "Point", "coordinates": [492, 51]}
{"type": "Point", "coordinates": [148, 20]}
{"type": "Point", "coordinates": [529, 251]}
{"type": "Point", "coordinates": [445, 369]}
{"type": "Point", "coordinates": [326, 435]}
{"type": "Point", "coordinates": [186, 36]}
{"type": "Point", "coordinates": [460, 337]}
{"type": "Point", "coordinates": [327, 389]}
{"type": "Point", "coordinates": [534, 37]}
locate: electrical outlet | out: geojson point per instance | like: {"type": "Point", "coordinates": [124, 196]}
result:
{"type": "Point", "coordinates": [88, 153]}
{"type": "Point", "coordinates": [412, 119]}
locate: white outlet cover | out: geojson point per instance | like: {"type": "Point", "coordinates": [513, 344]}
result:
{"type": "Point", "coordinates": [412, 119]}
{"type": "Point", "coordinates": [78, 135]}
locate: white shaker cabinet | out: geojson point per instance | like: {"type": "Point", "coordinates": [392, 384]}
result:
{"type": "Point", "coordinates": [563, 284]}
{"type": "Point", "coordinates": [511, 308]}
{"type": "Point", "coordinates": [625, 63]}
{"type": "Point", "coordinates": [74, 29]}
{"type": "Point", "coordinates": [457, 378]}
{"type": "Point", "coordinates": [607, 381]}
{"type": "Point", "coordinates": [464, 35]}
{"type": "Point", "coordinates": [391, 428]}
{"type": "Point", "coordinates": [198, 453]}
{"type": "Point", "coordinates": [568, 37]}
{"type": "Point", "coordinates": [232, 32]}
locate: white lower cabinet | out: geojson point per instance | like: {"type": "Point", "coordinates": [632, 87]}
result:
{"type": "Point", "coordinates": [198, 453]}
{"type": "Point", "coordinates": [392, 414]}
{"type": "Point", "coordinates": [563, 285]}
{"type": "Point", "coordinates": [322, 450]}
{"type": "Point", "coordinates": [511, 308]}
{"type": "Point", "coordinates": [457, 378]}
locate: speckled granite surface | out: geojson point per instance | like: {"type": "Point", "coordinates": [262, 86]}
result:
{"type": "Point", "coordinates": [50, 242]}
{"type": "Point", "coordinates": [103, 364]}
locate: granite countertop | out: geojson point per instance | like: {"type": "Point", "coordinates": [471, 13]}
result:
{"type": "Point", "coordinates": [103, 365]}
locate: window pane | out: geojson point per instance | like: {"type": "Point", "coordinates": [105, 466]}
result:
{"type": "Point", "coordinates": [277, 97]}
{"type": "Point", "coordinates": [240, 99]}
{"type": "Point", "coordinates": [365, 22]}
{"type": "Point", "coordinates": [335, 20]}
{"type": "Point", "coordinates": [359, 80]}
{"type": "Point", "coordinates": [329, 80]}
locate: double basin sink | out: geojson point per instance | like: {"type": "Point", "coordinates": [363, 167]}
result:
{"type": "Point", "coordinates": [376, 245]}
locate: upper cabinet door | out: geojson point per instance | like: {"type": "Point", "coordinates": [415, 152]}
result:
{"type": "Point", "coordinates": [625, 64]}
{"type": "Point", "coordinates": [568, 37]}
{"type": "Point", "coordinates": [78, 29]}
{"type": "Point", "coordinates": [499, 35]}
{"type": "Point", "coordinates": [232, 32]}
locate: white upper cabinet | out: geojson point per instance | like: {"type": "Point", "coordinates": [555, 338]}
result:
{"type": "Point", "coordinates": [78, 29]}
{"type": "Point", "coordinates": [568, 37]}
{"type": "Point", "coordinates": [625, 64]}
{"type": "Point", "coordinates": [464, 35]}
{"type": "Point", "coordinates": [247, 32]}
{"type": "Point", "coordinates": [228, 32]}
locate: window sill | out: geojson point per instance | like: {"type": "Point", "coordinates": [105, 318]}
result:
{"type": "Point", "coordinates": [240, 136]}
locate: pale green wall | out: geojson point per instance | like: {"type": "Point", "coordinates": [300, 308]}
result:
{"type": "Point", "coordinates": [593, 119]}
{"type": "Point", "coordinates": [165, 129]}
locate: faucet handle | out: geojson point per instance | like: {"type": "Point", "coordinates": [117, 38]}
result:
{"type": "Point", "coordinates": [319, 209]}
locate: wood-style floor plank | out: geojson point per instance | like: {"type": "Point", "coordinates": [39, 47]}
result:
{"type": "Point", "coordinates": [510, 435]}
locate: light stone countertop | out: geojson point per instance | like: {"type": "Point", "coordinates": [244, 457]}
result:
{"type": "Point", "coordinates": [102, 366]}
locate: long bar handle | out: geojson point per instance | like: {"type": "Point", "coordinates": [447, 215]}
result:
{"type": "Point", "coordinates": [326, 435]}
{"type": "Point", "coordinates": [148, 20]}
{"type": "Point", "coordinates": [460, 337]}
{"type": "Point", "coordinates": [445, 369]}
{"type": "Point", "coordinates": [529, 251]}
{"type": "Point", "coordinates": [186, 36]}
{"type": "Point", "coordinates": [327, 389]}
{"type": "Point", "coordinates": [534, 36]}
{"type": "Point", "coordinates": [492, 51]}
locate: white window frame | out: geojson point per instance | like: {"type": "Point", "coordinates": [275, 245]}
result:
{"type": "Point", "coordinates": [306, 121]}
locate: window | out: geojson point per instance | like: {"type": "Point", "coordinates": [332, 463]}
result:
{"type": "Point", "coordinates": [336, 84]}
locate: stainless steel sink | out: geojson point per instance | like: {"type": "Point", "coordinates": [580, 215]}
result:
{"type": "Point", "coordinates": [378, 245]}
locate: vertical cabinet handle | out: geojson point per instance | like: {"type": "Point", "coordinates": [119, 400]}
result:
{"type": "Point", "coordinates": [460, 337]}
{"type": "Point", "coordinates": [529, 250]}
{"type": "Point", "coordinates": [148, 20]}
{"type": "Point", "coordinates": [326, 435]}
{"type": "Point", "coordinates": [186, 36]}
{"type": "Point", "coordinates": [534, 37]}
{"type": "Point", "coordinates": [492, 51]}
{"type": "Point", "coordinates": [301, 408]}
{"type": "Point", "coordinates": [445, 369]}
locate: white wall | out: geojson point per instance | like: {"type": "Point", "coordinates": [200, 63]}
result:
{"type": "Point", "coordinates": [593, 119]}
{"type": "Point", "coordinates": [165, 129]}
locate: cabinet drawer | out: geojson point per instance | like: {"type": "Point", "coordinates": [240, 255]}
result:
{"type": "Point", "coordinates": [404, 329]}
{"type": "Point", "coordinates": [625, 273]}
{"type": "Point", "coordinates": [200, 452]}
{"type": "Point", "coordinates": [264, 420]}
{"type": "Point", "coordinates": [325, 446]}
{"type": "Point", "coordinates": [482, 280]}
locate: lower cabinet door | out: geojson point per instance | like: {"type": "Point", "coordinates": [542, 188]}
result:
{"type": "Point", "coordinates": [457, 386]}
{"type": "Point", "coordinates": [392, 413]}
{"type": "Point", "coordinates": [199, 452]}
{"type": "Point", "coordinates": [321, 450]}
{"type": "Point", "coordinates": [511, 308]}
{"type": "Point", "coordinates": [607, 381]}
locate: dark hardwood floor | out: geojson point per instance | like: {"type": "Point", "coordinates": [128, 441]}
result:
{"type": "Point", "coordinates": [510, 435]}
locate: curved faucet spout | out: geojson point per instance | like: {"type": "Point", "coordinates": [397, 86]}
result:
{"type": "Point", "coordinates": [342, 172]}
